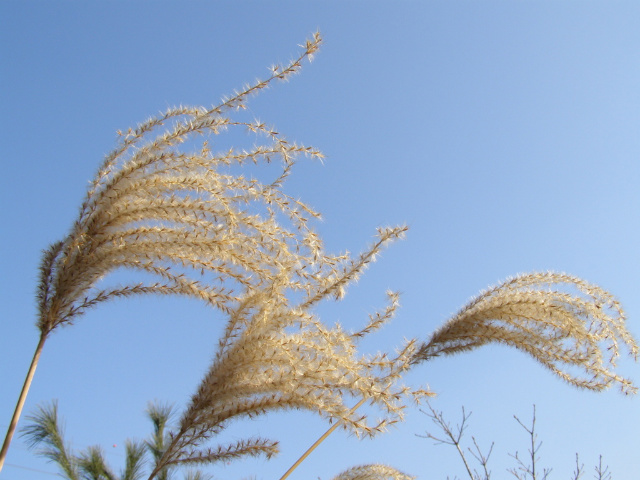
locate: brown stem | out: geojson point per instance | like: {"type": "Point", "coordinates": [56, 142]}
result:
{"type": "Point", "coordinates": [319, 441]}
{"type": "Point", "coordinates": [21, 400]}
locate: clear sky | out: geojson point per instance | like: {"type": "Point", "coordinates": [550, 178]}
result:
{"type": "Point", "coordinates": [505, 134]}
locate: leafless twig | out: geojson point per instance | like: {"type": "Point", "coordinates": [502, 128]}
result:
{"type": "Point", "coordinates": [453, 436]}
{"type": "Point", "coordinates": [528, 470]}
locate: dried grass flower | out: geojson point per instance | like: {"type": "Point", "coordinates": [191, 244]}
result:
{"type": "Point", "coordinates": [574, 328]}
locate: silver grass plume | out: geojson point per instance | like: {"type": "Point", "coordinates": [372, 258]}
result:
{"type": "Point", "coordinates": [373, 472]}
{"type": "Point", "coordinates": [46, 432]}
{"type": "Point", "coordinates": [570, 326]}
{"type": "Point", "coordinates": [243, 247]}
{"type": "Point", "coordinates": [170, 213]}
{"type": "Point", "coordinates": [184, 217]}
{"type": "Point", "coordinates": [274, 356]}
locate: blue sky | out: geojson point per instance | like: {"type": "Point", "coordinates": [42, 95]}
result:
{"type": "Point", "coordinates": [505, 134]}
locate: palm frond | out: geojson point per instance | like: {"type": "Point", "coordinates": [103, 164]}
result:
{"type": "Point", "coordinates": [93, 465]}
{"type": "Point", "coordinates": [197, 475]}
{"type": "Point", "coordinates": [134, 463]}
{"type": "Point", "coordinates": [45, 432]}
{"type": "Point", "coordinates": [160, 415]}
{"type": "Point", "coordinates": [274, 356]}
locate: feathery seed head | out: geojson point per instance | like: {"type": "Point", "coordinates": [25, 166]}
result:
{"type": "Point", "coordinates": [573, 328]}
{"type": "Point", "coordinates": [373, 472]}
{"type": "Point", "coordinates": [207, 231]}
{"type": "Point", "coordinates": [184, 217]}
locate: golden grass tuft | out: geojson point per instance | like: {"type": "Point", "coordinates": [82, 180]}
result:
{"type": "Point", "coordinates": [570, 326]}
{"type": "Point", "coordinates": [373, 472]}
